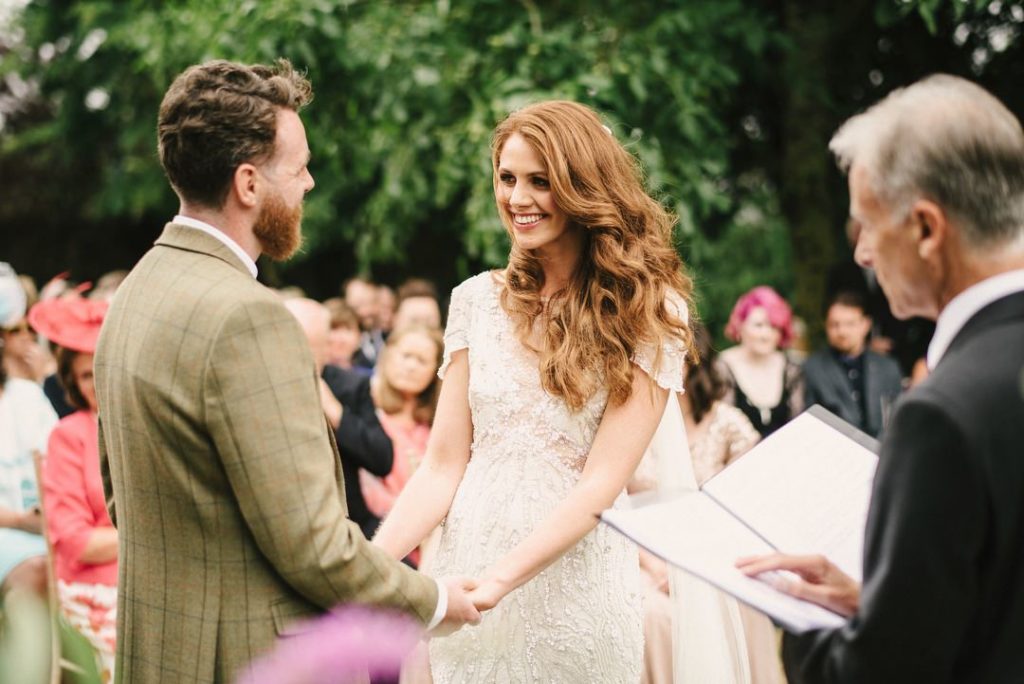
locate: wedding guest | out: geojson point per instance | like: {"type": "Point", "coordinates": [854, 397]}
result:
{"type": "Point", "coordinates": [417, 303]}
{"type": "Point", "coordinates": [344, 336]}
{"type": "Point", "coordinates": [903, 340]}
{"type": "Point", "coordinates": [936, 175]}
{"type": "Point", "coordinates": [23, 357]}
{"type": "Point", "coordinates": [719, 433]}
{"type": "Point", "coordinates": [362, 296]}
{"type": "Point", "coordinates": [405, 390]}
{"type": "Point", "coordinates": [346, 401]}
{"type": "Point", "coordinates": [26, 419]}
{"type": "Point", "coordinates": [763, 381]}
{"type": "Point", "coordinates": [849, 379]}
{"type": "Point", "coordinates": [106, 286]}
{"type": "Point", "coordinates": [83, 538]}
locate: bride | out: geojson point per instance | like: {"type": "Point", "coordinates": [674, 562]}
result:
{"type": "Point", "coordinates": [556, 373]}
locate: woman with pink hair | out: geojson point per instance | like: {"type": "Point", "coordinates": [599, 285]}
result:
{"type": "Point", "coordinates": [764, 382]}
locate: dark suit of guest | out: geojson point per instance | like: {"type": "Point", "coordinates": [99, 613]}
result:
{"type": "Point", "coordinates": [361, 441]}
{"type": "Point", "coordinates": [859, 390]}
{"type": "Point", "coordinates": [943, 594]}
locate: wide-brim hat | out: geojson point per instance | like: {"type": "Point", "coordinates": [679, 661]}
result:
{"type": "Point", "coordinates": [71, 323]}
{"type": "Point", "coordinates": [12, 296]}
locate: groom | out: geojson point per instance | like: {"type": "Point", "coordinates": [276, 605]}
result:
{"type": "Point", "coordinates": [219, 468]}
{"type": "Point", "coordinates": [937, 185]}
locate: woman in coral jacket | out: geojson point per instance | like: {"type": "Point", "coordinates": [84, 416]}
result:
{"type": "Point", "coordinates": [83, 538]}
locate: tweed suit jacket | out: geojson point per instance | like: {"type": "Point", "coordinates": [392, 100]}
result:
{"type": "Point", "coordinates": [221, 473]}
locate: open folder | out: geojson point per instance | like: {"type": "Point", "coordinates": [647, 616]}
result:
{"type": "Point", "coordinates": [803, 489]}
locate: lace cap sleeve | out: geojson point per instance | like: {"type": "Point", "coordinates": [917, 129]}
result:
{"type": "Point", "coordinates": [671, 367]}
{"type": "Point", "coordinates": [456, 332]}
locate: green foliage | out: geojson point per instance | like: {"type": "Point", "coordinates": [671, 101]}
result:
{"type": "Point", "coordinates": [407, 95]}
{"type": "Point", "coordinates": [893, 11]}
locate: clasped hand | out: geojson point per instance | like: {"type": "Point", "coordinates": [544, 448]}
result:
{"type": "Point", "coordinates": [467, 599]}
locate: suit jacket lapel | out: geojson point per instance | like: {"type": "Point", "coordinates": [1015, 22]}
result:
{"type": "Point", "coordinates": [841, 387]}
{"type": "Point", "coordinates": [183, 237]}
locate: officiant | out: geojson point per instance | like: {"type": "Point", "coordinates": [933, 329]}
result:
{"type": "Point", "coordinates": [936, 175]}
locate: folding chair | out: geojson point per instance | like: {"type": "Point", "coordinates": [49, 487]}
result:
{"type": "Point", "coordinates": [63, 637]}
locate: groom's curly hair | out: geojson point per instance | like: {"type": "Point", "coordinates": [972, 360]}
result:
{"type": "Point", "coordinates": [218, 115]}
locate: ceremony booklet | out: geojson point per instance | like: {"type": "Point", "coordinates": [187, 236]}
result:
{"type": "Point", "coordinates": [804, 489]}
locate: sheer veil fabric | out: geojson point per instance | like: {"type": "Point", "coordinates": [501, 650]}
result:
{"type": "Point", "coordinates": [708, 641]}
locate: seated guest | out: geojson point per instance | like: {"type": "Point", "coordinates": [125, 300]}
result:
{"type": "Point", "coordinates": [344, 336]}
{"type": "Point", "coordinates": [849, 379]}
{"type": "Point", "coordinates": [345, 398]}
{"type": "Point", "coordinates": [417, 303]}
{"type": "Point", "coordinates": [405, 390]}
{"type": "Point", "coordinates": [719, 433]}
{"type": "Point", "coordinates": [23, 357]}
{"type": "Point", "coordinates": [762, 379]}
{"type": "Point", "coordinates": [362, 295]}
{"type": "Point", "coordinates": [83, 538]}
{"type": "Point", "coordinates": [26, 419]}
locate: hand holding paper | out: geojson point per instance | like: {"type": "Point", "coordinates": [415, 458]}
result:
{"type": "Point", "coordinates": [805, 490]}
{"type": "Point", "coordinates": [810, 578]}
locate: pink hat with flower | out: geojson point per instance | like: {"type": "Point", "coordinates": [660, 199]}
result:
{"type": "Point", "coordinates": [71, 323]}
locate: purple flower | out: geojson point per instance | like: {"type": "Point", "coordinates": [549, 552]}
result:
{"type": "Point", "coordinates": [338, 648]}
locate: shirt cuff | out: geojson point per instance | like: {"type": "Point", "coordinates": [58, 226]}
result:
{"type": "Point", "coordinates": [442, 606]}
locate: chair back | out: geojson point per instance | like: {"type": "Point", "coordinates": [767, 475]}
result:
{"type": "Point", "coordinates": [57, 662]}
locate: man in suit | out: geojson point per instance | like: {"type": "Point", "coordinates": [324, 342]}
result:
{"type": "Point", "coordinates": [348, 405]}
{"type": "Point", "coordinates": [362, 296]}
{"type": "Point", "coordinates": [937, 183]}
{"type": "Point", "coordinates": [849, 379]}
{"type": "Point", "coordinates": [220, 470]}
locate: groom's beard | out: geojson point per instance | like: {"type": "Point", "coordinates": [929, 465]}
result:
{"type": "Point", "coordinates": [278, 228]}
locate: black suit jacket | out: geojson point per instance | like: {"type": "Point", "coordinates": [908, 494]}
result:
{"type": "Point", "coordinates": [362, 441]}
{"type": "Point", "coordinates": [825, 383]}
{"type": "Point", "coordinates": [943, 595]}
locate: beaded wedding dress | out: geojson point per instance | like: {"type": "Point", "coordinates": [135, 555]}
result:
{"type": "Point", "coordinates": [578, 621]}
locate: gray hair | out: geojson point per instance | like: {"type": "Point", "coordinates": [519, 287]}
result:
{"type": "Point", "coordinates": [947, 140]}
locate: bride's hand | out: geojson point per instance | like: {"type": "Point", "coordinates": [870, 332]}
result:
{"type": "Point", "coordinates": [487, 594]}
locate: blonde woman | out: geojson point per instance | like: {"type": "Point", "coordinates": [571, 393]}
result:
{"type": "Point", "coordinates": [556, 373]}
{"type": "Point", "coordinates": [404, 390]}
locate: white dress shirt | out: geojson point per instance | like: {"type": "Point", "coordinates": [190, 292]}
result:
{"type": "Point", "coordinates": [963, 307]}
{"type": "Point", "coordinates": [220, 235]}
{"type": "Point", "coordinates": [442, 591]}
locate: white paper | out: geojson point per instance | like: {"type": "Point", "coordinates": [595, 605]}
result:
{"type": "Point", "coordinates": [806, 489]}
{"type": "Point", "coordinates": [692, 532]}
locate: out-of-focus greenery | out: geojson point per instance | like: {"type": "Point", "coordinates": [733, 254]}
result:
{"type": "Point", "coordinates": [407, 94]}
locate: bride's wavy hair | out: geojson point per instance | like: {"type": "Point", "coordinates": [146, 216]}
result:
{"type": "Point", "coordinates": [628, 271]}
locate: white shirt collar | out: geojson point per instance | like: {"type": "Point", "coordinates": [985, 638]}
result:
{"type": "Point", "coordinates": [220, 235]}
{"type": "Point", "coordinates": [963, 307]}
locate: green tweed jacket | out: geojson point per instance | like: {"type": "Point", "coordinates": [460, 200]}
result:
{"type": "Point", "coordinates": [220, 472]}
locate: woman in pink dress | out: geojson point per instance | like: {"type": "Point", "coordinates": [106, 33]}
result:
{"type": "Point", "coordinates": [83, 538]}
{"type": "Point", "coordinates": [405, 390]}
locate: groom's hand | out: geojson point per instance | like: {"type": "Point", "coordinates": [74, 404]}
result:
{"type": "Point", "coordinates": [811, 578]}
{"type": "Point", "coordinates": [461, 610]}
